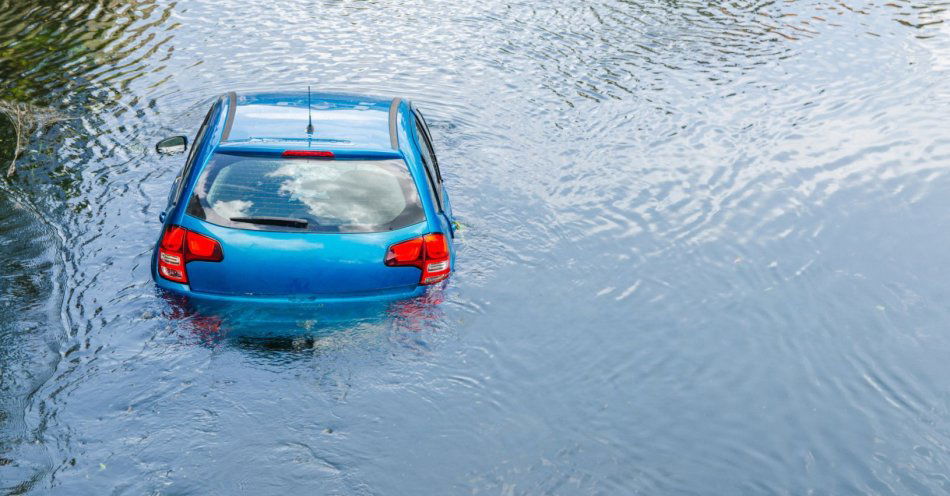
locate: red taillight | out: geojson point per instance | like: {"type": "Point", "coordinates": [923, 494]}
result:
{"type": "Point", "coordinates": [180, 246]}
{"type": "Point", "coordinates": [173, 238]}
{"type": "Point", "coordinates": [307, 154]}
{"type": "Point", "coordinates": [430, 253]}
{"type": "Point", "coordinates": [202, 248]}
{"type": "Point", "coordinates": [171, 255]}
{"type": "Point", "coordinates": [405, 253]}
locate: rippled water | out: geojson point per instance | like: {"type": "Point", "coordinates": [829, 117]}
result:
{"type": "Point", "coordinates": [705, 252]}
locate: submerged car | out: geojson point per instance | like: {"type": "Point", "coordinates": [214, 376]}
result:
{"type": "Point", "coordinates": [300, 196]}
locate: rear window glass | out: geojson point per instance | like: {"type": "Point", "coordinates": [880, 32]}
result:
{"type": "Point", "coordinates": [295, 195]}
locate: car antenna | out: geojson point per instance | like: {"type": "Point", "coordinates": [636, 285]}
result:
{"type": "Point", "coordinates": [309, 113]}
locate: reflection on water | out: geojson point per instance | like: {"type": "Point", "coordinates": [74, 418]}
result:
{"type": "Point", "coordinates": [704, 252]}
{"type": "Point", "coordinates": [212, 322]}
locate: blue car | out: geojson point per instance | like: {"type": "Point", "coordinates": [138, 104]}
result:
{"type": "Point", "coordinates": [293, 196]}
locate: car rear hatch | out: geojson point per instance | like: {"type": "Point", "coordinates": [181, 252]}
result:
{"type": "Point", "coordinates": [284, 263]}
{"type": "Point", "coordinates": [303, 223]}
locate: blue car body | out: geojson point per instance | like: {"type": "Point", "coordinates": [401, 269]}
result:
{"type": "Point", "coordinates": [289, 264]}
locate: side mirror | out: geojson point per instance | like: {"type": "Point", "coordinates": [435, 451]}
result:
{"type": "Point", "coordinates": [171, 146]}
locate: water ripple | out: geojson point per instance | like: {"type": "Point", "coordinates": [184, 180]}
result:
{"type": "Point", "coordinates": [702, 247]}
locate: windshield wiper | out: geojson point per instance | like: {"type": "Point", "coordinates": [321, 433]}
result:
{"type": "Point", "coordinates": [273, 221]}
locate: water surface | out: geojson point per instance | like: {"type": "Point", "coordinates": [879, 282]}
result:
{"type": "Point", "coordinates": [705, 252]}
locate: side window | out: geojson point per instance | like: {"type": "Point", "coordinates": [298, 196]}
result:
{"type": "Point", "coordinates": [195, 146]}
{"type": "Point", "coordinates": [429, 159]}
{"type": "Point", "coordinates": [428, 138]}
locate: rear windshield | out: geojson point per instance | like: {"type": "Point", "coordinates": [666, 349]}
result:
{"type": "Point", "coordinates": [301, 195]}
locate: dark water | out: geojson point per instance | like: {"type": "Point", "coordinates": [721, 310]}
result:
{"type": "Point", "coordinates": [707, 251]}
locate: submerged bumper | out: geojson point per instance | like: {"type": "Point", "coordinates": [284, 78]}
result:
{"type": "Point", "coordinates": [375, 296]}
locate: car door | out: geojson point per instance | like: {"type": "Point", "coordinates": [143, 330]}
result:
{"type": "Point", "coordinates": [440, 193]}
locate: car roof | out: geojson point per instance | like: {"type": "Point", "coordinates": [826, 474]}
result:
{"type": "Point", "coordinates": [280, 120]}
{"type": "Point", "coordinates": [349, 126]}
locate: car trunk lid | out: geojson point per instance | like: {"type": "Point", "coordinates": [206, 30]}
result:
{"type": "Point", "coordinates": [289, 263]}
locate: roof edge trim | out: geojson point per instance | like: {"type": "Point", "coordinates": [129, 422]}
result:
{"type": "Point", "coordinates": [232, 109]}
{"type": "Point", "coordinates": [393, 112]}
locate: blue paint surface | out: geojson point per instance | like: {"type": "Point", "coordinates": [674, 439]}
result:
{"type": "Point", "coordinates": [303, 265]}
